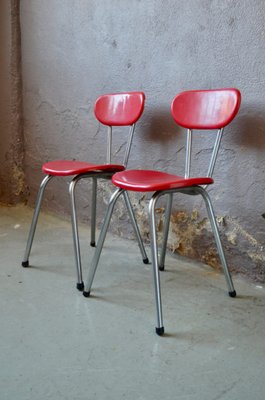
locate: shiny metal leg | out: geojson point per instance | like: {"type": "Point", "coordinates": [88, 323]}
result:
{"type": "Point", "coordinates": [93, 212]}
{"type": "Point", "coordinates": [152, 203]}
{"type": "Point", "coordinates": [135, 226]}
{"type": "Point", "coordinates": [205, 195]}
{"type": "Point", "coordinates": [101, 239]}
{"type": "Point", "coordinates": [25, 262]}
{"type": "Point", "coordinates": [165, 232]}
{"type": "Point", "coordinates": [80, 284]}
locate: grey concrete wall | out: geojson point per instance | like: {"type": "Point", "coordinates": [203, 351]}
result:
{"type": "Point", "coordinates": [74, 51]}
{"type": "Point", "coordinates": [12, 187]}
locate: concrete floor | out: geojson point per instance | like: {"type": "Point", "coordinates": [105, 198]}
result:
{"type": "Point", "coordinates": [56, 344]}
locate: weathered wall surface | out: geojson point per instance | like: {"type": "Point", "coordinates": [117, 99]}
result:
{"type": "Point", "coordinates": [74, 51]}
{"type": "Point", "coordinates": [11, 148]}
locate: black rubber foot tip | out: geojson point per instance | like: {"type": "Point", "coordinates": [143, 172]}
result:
{"type": "Point", "coordinates": [93, 244]}
{"type": "Point", "coordinates": [160, 331]}
{"type": "Point", "coordinates": [80, 286]}
{"type": "Point", "coordinates": [161, 268]}
{"type": "Point", "coordinates": [232, 294]}
{"type": "Point", "coordinates": [25, 264]}
{"type": "Point", "coordinates": [86, 294]}
{"type": "Point", "coordinates": [145, 261]}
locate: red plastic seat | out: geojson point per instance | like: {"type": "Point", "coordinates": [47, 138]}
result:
{"type": "Point", "coordinates": [116, 109]}
{"type": "Point", "coordinates": [68, 167]}
{"type": "Point", "coordinates": [197, 109]}
{"type": "Point", "coordinates": [151, 181]}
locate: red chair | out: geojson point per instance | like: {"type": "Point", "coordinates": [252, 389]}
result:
{"type": "Point", "coordinates": [201, 110]}
{"type": "Point", "coordinates": [118, 109]}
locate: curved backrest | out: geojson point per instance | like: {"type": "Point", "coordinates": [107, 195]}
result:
{"type": "Point", "coordinates": [206, 109]}
{"type": "Point", "coordinates": [119, 109]}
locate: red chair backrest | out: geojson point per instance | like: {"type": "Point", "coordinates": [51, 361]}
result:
{"type": "Point", "coordinates": [206, 109]}
{"type": "Point", "coordinates": [119, 109]}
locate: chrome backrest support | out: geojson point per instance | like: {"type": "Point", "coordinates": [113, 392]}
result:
{"type": "Point", "coordinates": [213, 156]}
{"type": "Point", "coordinates": [128, 146]}
{"type": "Point", "coordinates": [109, 144]}
{"type": "Point", "coordinates": [188, 153]}
{"type": "Point", "coordinates": [215, 152]}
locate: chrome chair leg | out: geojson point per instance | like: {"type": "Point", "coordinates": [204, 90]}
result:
{"type": "Point", "coordinates": [80, 283]}
{"type": "Point", "coordinates": [165, 231]}
{"type": "Point", "coordinates": [212, 218]}
{"type": "Point", "coordinates": [135, 227]}
{"type": "Point", "coordinates": [100, 243]}
{"type": "Point", "coordinates": [93, 212]}
{"type": "Point", "coordinates": [25, 262]}
{"type": "Point", "coordinates": [154, 251]}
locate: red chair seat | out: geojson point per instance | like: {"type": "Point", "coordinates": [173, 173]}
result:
{"type": "Point", "coordinates": [151, 181]}
{"type": "Point", "coordinates": [70, 167]}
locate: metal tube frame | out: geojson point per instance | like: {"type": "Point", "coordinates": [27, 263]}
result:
{"type": "Point", "coordinates": [103, 232]}
{"type": "Point", "coordinates": [154, 247]}
{"type": "Point", "coordinates": [188, 153]}
{"type": "Point", "coordinates": [80, 284]}
{"type": "Point", "coordinates": [165, 232]}
{"type": "Point", "coordinates": [213, 156]}
{"type": "Point", "coordinates": [101, 239]}
{"type": "Point", "coordinates": [215, 230]}
{"type": "Point", "coordinates": [72, 186]}
{"type": "Point", "coordinates": [195, 190]}
{"type": "Point", "coordinates": [76, 242]}
{"type": "Point", "coordinates": [215, 151]}
{"type": "Point", "coordinates": [191, 191]}
{"type": "Point", "coordinates": [93, 212]}
{"type": "Point", "coordinates": [129, 144]}
{"type": "Point", "coordinates": [109, 144]}
{"type": "Point", "coordinates": [45, 181]}
{"type": "Point", "coordinates": [155, 263]}
{"type": "Point", "coordinates": [135, 227]}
